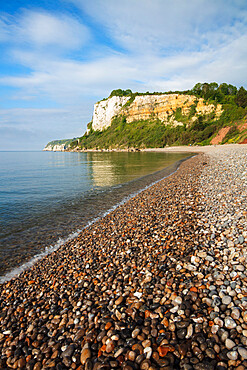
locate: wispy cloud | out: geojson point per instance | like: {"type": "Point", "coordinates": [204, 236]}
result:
{"type": "Point", "coordinates": [39, 30]}
{"type": "Point", "coordinates": [43, 29]}
{"type": "Point", "coordinates": [162, 26]}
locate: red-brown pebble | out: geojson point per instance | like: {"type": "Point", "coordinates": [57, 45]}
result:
{"type": "Point", "coordinates": [85, 354]}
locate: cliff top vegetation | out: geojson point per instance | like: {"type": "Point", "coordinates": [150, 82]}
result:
{"type": "Point", "coordinates": [61, 142]}
{"type": "Point", "coordinates": [208, 91]}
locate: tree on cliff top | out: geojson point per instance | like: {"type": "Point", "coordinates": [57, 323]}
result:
{"type": "Point", "coordinates": [120, 92]}
{"type": "Point", "coordinates": [213, 91]}
{"type": "Point", "coordinates": [241, 97]}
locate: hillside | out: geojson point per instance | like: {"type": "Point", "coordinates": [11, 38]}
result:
{"type": "Point", "coordinates": [207, 114]}
{"type": "Point", "coordinates": [58, 145]}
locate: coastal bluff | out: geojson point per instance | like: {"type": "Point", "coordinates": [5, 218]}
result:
{"type": "Point", "coordinates": [206, 114]}
{"type": "Point", "coordinates": [55, 148]}
{"type": "Point", "coordinates": [58, 145]}
{"type": "Point", "coordinates": [162, 107]}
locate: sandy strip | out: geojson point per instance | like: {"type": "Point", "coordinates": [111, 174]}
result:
{"type": "Point", "coordinates": [198, 149]}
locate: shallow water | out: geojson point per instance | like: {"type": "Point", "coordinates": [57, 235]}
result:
{"type": "Point", "coordinates": [46, 196]}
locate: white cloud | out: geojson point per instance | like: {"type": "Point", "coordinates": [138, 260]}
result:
{"type": "Point", "coordinates": [146, 26]}
{"type": "Point", "coordinates": [40, 29]}
{"type": "Point", "coordinates": [71, 82]}
{"type": "Point", "coordinates": [43, 29]}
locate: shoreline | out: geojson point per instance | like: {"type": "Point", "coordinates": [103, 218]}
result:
{"type": "Point", "coordinates": [185, 148]}
{"type": "Point", "coordinates": [140, 185]}
{"type": "Point", "coordinates": [143, 287]}
{"type": "Point", "coordinates": [197, 149]}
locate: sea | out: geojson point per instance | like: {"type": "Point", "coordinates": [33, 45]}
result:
{"type": "Point", "coordinates": [48, 198]}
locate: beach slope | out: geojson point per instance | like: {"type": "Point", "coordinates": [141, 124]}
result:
{"type": "Point", "coordinates": [158, 283]}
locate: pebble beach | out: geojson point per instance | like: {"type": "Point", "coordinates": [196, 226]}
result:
{"type": "Point", "coordinates": [159, 283]}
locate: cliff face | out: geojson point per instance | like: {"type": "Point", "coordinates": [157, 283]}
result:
{"type": "Point", "coordinates": [145, 107]}
{"type": "Point", "coordinates": [204, 109]}
{"type": "Point", "coordinates": [55, 148]}
{"type": "Point", "coordinates": [105, 110]}
{"type": "Point", "coordinates": [58, 145]}
{"type": "Point", "coordinates": [158, 106]}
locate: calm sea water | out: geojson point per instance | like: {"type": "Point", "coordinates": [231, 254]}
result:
{"type": "Point", "coordinates": [46, 197]}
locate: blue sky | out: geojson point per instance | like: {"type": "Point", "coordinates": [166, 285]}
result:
{"type": "Point", "coordinates": [59, 57]}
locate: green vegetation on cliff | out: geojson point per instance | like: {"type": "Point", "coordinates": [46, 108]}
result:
{"type": "Point", "coordinates": [61, 142]}
{"type": "Point", "coordinates": [146, 134]}
{"type": "Point", "coordinates": [154, 133]}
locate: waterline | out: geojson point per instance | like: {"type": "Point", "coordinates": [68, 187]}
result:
{"type": "Point", "coordinates": [61, 241]}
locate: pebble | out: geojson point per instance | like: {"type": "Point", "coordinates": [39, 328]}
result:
{"type": "Point", "coordinates": [245, 317]}
{"type": "Point", "coordinates": [230, 323]}
{"type": "Point", "coordinates": [226, 300]}
{"type": "Point", "coordinates": [148, 352]}
{"type": "Point", "coordinates": [118, 352]}
{"type": "Point", "coordinates": [229, 343]}
{"type": "Point", "coordinates": [119, 301]}
{"type": "Point", "coordinates": [243, 352]}
{"type": "Point", "coordinates": [241, 241]}
{"type": "Point", "coordinates": [177, 301]}
{"type": "Point", "coordinates": [235, 314]}
{"type": "Point", "coordinates": [85, 354]}
{"type": "Point", "coordinates": [232, 355]}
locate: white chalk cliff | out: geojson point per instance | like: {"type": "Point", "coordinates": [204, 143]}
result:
{"type": "Point", "coordinates": [144, 107]}
{"type": "Point", "coordinates": [55, 148]}
{"type": "Point", "coordinates": [105, 110]}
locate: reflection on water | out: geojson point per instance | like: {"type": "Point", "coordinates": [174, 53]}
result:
{"type": "Point", "coordinates": [109, 169]}
{"type": "Point", "coordinates": [102, 172]}
{"type": "Point", "coordinates": [47, 196]}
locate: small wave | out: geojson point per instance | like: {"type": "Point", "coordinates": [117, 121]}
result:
{"type": "Point", "coordinates": [18, 270]}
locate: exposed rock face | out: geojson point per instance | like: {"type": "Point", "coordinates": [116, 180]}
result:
{"type": "Point", "coordinates": [158, 106]}
{"type": "Point", "coordinates": [58, 145]}
{"type": "Point", "coordinates": [55, 148]}
{"type": "Point", "coordinates": [220, 136]}
{"type": "Point", "coordinates": [205, 109]}
{"type": "Point", "coordinates": [48, 148]}
{"type": "Point", "coordinates": [105, 110]}
{"type": "Point", "coordinates": [144, 107]}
